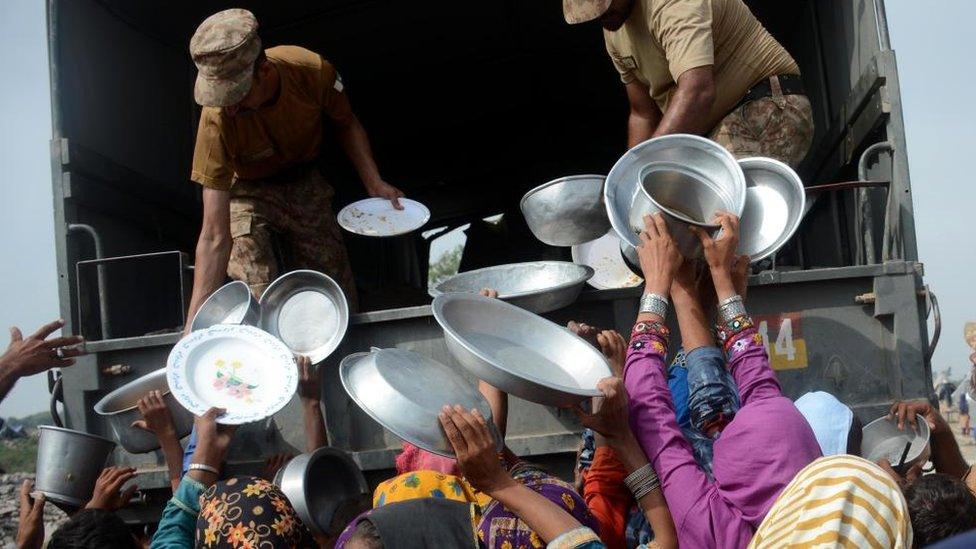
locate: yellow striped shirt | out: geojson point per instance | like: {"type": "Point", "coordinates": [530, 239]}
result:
{"type": "Point", "coordinates": [837, 501]}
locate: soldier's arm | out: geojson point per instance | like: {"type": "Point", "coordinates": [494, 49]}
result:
{"type": "Point", "coordinates": [213, 249]}
{"type": "Point", "coordinates": [689, 106]}
{"type": "Point", "coordinates": [644, 114]}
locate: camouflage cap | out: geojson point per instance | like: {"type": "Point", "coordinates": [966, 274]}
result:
{"type": "Point", "coordinates": [224, 49]}
{"type": "Point", "coordinates": [581, 11]}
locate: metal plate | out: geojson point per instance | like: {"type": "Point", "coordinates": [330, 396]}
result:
{"type": "Point", "coordinates": [232, 303]}
{"type": "Point", "coordinates": [604, 256]}
{"type": "Point", "coordinates": [404, 392]}
{"type": "Point", "coordinates": [519, 352]}
{"type": "Point", "coordinates": [567, 211]}
{"type": "Point", "coordinates": [378, 217]}
{"type": "Point", "coordinates": [240, 368]}
{"type": "Point", "coordinates": [775, 204]}
{"type": "Point", "coordinates": [307, 310]}
{"type": "Point", "coordinates": [703, 157]}
{"type": "Point", "coordinates": [538, 286]}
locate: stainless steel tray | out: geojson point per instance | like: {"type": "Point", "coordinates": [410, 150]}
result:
{"type": "Point", "coordinates": [307, 311]}
{"type": "Point", "coordinates": [537, 286]}
{"type": "Point", "coordinates": [519, 352]}
{"type": "Point", "coordinates": [775, 204]}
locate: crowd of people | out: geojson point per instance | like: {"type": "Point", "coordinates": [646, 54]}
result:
{"type": "Point", "coordinates": [703, 452]}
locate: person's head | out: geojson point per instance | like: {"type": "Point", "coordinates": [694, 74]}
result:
{"type": "Point", "coordinates": [365, 537]}
{"type": "Point", "coordinates": [834, 424]}
{"type": "Point", "coordinates": [940, 506]}
{"type": "Point", "coordinates": [249, 510]}
{"type": "Point", "coordinates": [441, 523]}
{"type": "Point", "coordinates": [93, 529]}
{"type": "Point", "coordinates": [233, 71]}
{"type": "Point", "coordinates": [611, 13]}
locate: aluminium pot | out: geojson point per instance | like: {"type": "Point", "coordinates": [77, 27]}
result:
{"type": "Point", "coordinates": [119, 408]}
{"type": "Point", "coordinates": [319, 483]}
{"type": "Point", "coordinates": [68, 464]}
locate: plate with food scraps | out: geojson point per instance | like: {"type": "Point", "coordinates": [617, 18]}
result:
{"type": "Point", "coordinates": [378, 217]}
{"type": "Point", "coordinates": [245, 370]}
{"type": "Point", "coordinates": [603, 255]}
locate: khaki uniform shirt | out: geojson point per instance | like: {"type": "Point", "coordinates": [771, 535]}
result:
{"type": "Point", "coordinates": [261, 143]}
{"type": "Point", "coordinates": [664, 38]}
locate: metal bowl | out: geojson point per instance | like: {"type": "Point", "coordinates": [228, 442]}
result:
{"type": "Point", "coordinates": [404, 392]}
{"type": "Point", "coordinates": [120, 409]}
{"type": "Point", "coordinates": [68, 464]}
{"type": "Point", "coordinates": [307, 311]}
{"type": "Point", "coordinates": [567, 211]}
{"type": "Point", "coordinates": [677, 160]}
{"type": "Point", "coordinates": [232, 303]}
{"type": "Point", "coordinates": [775, 204]}
{"type": "Point", "coordinates": [519, 352]}
{"type": "Point", "coordinates": [318, 483]}
{"type": "Point", "coordinates": [630, 257]}
{"type": "Point", "coordinates": [604, 256]}
{"type": "Point", "coordinates": [883, 439]}
{"type": "Point", "coordinates": [538, 286]}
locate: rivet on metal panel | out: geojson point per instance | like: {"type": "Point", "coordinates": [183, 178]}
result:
{"type": "Point", "coordinates": [865, 299]}
{"type": "Point", "coordinates": [117, 370]}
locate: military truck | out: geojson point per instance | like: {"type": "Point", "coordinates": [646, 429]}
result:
{"type": "Point", "coordinates": [468, 105]}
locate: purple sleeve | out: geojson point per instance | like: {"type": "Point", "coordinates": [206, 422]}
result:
{"type": "Point", "coordinates": [700, 514]}
{"type": "Point", "coordinates": [749, 364]}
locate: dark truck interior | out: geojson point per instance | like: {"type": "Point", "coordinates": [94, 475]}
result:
{"type": "Point", "coordinates": [468, 105]}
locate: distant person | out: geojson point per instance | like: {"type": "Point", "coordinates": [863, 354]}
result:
{"type": "Point", "coordinates": [964, 414]}
{"type": "Point", "coordinates": [36, 353]}
{"type": "Point", "coordinates": [260, 135]}
{"type": "Point", "coordinates": [706, 67]}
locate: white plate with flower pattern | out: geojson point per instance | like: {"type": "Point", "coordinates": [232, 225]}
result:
{"type": "Point", "coordinates": [241, 368]}
{"type": "Point", "coordinates": [378, 217]}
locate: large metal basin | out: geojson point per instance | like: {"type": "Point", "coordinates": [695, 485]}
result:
{"type": "Point", "coordinates": [120, 409]}
{"type": "Point", "coordinates": [667, 167]}
{"type": "Point", "coordinates": [68, 464]}
{"type": "Point", "coordinates": [537, 286]}
{"type": "Point", "coordinates": [567, 211]}
{"type": "Point", "coordinates": [775, 204]}
{"type": "Point", "coordinates": [307, 311]}
{"type": "Point", "coordinates": [318, 483]}
{"type": "Point", "coordinates": [883, 439]}
{"type": "Point", "coordinates": [519, 352]}
{"type": "Point", "coordinates": [405, 391]}
{"type": "Point", "coordinates": [232, 303]}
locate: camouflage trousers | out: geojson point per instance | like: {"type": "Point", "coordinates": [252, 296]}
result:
{"type": "Point", "coordinates": [287, 219]}
{"type": "Point", "coordinates": [779, 127]}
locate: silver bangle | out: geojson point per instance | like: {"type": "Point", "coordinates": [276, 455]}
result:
{"type": "Point", "coordinates": [729, 300]}
{"type": "Point", "coordinates": [203, 467]}
{"type": "Point", "coordinates": [654, 304]}
{"type": "Point", "coordinates": [642, 481]}
{"type": "Point", "coordinates": [731, 311]}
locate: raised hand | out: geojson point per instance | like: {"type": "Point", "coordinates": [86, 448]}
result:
{"type": "Point", "coordinates": [475, 448]}
{"type": "Point", "coordinates": [658, 254]}
{"type": "Point", "coordinates": [614, 347]}
{"type": "Point", "coordinates": [35, 353]}
{"type": "Point", "coordinates": [720, 252]}
{"type": "Point", "coordinates": [108, 494]}
{"type": "Point", "coordinates": [309, 380]}
{"type": "Point", "coordinates": [612, 419]}
{"type": "Point", "coordinates": [30, 528]}
{"type": "Point", "coordinates": [156, 417]}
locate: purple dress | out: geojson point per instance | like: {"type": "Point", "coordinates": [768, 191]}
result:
{"type": "Point", "coordinates": [758, 454]}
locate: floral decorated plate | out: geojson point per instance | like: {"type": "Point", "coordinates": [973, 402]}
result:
{"type": "Point", "coordinates": [241, 368]}
{"type": "Point", "coordinates": [378, 217]}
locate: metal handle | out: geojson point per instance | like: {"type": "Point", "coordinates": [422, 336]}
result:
{"type": "Point", "coordinates": [933, 305]}
{"type": "Point", "coordinates": [57, 394]}
{"type": "Point", "coordinates": [99, 274]}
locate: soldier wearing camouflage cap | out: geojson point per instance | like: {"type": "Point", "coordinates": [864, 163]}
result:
{"type": "Point", "coordinates": [706, 67]}
{"type": "Point", "coordinates": [259, 137]}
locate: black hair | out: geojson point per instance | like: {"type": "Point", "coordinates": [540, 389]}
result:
{"type": "Point", "coordinates": [93, 529]}
{"type": "Point", "coordinates": [366, 535]}
{"type": "Point", "coordinates": [854, 436]}
{"type": "Point", "coordinates": [940, 506]}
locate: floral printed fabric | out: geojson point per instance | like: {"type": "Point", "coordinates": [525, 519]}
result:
{"type": "Point", "coordinates": [426, 484]}
{"type": "Point", "coordinates": [501, 529]}
{"type": "Point", "coordinates": [249, 513]}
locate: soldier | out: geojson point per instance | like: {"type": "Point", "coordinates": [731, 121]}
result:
{"type": "Point", "coordinates": [259, 136]}
{"type": "Point", "coordinates": [706, 67]}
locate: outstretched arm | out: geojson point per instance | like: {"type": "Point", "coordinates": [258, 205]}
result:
{"type": "Point", "coordinates": [309, 392]}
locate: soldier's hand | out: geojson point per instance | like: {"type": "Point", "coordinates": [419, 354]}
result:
{"type": "Point", "coordinates": [383, 189]}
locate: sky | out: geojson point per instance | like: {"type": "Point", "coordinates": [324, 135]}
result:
{"type": "Point", "coordinates": [936, 97]}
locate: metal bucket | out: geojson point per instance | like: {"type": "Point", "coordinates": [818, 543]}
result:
{"type": "Point", "coordinates": [68, 464]}
{"type": "Point", "coordinates": [120, 409]}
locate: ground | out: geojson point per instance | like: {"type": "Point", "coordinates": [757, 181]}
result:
{"type": "Point", "coordinates": [966, 443]}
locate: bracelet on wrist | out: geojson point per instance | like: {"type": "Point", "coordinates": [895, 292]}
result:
{"type": "Point", "coordinates": [653, 303]}
{"type": "Point", "coordinates": [203, 467]}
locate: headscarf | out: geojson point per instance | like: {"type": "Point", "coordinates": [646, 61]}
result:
{"type": "Point", "coordinates": [830, 420]}
{"type": "Point", "coordinates": [837, 501]}
{"type": "Point", "coordinates": [422, 522]}
{"type": "Point", "coordinates": [427, 484]}
{"type": "Point", "coordinates": [413, 458]}
{"type": "Point", "coordinates": [500, 527]}
{"type": "Point", "coordinates": [249, 512]}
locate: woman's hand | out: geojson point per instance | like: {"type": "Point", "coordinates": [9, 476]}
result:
{"type": "Point", "coordinates": [108, 494]}
{"type": "Point", "coordinates": [475, 448]}
{"type": "Point", "coordinates": [612, 420]}
{"type": "Point", "coordinates": [720, 252]}
{"type": "Point", "coordinates": [615, 349]}
{"type": "Point", "coordinates": [658, 254]}
{"type": "Point", "coordinates": [213, 439]}
{"type": "Point", "coordinates": [156, 417]}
